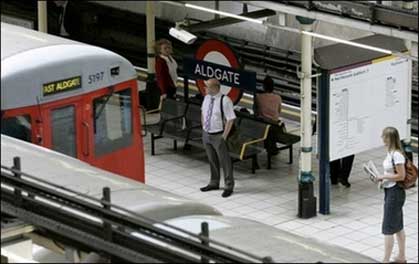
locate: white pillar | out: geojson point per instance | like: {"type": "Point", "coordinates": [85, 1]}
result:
{"type": "Point", "coordinates": [306, 200]}
{"type": "Point", "coordinates": [306, 101]}
{"type": "Point", "coordinates": [42, 16]}
{"type": "Point", "coordinates": [150, 39]}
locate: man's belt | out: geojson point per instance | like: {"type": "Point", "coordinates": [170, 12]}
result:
{"type": "Point", "coordinates": [215, 133]}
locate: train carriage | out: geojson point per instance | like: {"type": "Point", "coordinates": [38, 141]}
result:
{"type": "Point", "coordinates": [74, 98]}
{"type": "Point", "coordinates": [240, 233]}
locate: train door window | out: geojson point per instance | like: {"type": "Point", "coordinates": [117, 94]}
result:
{"type": "Point", "coordinates": [112, 122]}
{"type": "Point", "coordinates": [18, 127]}
{"type": "Point", "coordinates": [64, 130]}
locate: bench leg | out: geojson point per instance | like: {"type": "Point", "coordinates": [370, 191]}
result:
{"type": "Point", "coordinates": [152, 144]}
{"type": "Point", "coordinates": [255, 165]}
{"type": "Point", "coordinates": [175, 144]}
{"type": "Point", "coordinates": [290, 157]}
{"type": "Point", "coordinates": [269, 161]}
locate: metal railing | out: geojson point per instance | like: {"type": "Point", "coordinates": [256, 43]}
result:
{"type": "Point", "coordinates": [100, 226]}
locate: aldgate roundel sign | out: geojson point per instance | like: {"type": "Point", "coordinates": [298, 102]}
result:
{"type": "Point", "coordinates": [215, 59]}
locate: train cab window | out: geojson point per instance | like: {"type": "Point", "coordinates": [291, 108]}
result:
{"type": "Point", "coordinates": [63, 130]}
{"type": "Point", "coordinates": [18, 127]}
{"type": "Point", "coordinates": [112, 122]}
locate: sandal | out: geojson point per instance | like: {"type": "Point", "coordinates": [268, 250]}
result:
{"type": "Point", "coordinates": [398, 261]}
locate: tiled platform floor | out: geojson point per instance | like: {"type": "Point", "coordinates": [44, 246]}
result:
{"type": "Point", "coordinates": [270, 196]}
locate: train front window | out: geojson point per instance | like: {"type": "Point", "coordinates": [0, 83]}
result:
{"type": "Point", "coordinates": [112, 122]}
{"type": "Point", "coordinates": [64, 130]}
{"type": "Point", "coordinates": [18, 127]}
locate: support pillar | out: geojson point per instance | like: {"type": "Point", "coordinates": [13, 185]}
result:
{"type": "Point", "coordinates": [42, 16]}
{"type": "Point", "coordinates": [147, 100]}
{"type": "Point", "coordinates": [307, 201]}
{"type": "Point", "coordinates": [217, 7]}
{"type": "Point", "coordinates": [150, 40]}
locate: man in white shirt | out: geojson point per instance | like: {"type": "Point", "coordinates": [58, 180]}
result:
{"type": "Point", "coordinates": [215, 108]}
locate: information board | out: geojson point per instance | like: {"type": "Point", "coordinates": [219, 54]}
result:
{"type": "Point", "coordinates": [364, 100]}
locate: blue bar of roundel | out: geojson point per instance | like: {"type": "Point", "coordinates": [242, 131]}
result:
{"type": "Point", "coordinates": [246, 79]}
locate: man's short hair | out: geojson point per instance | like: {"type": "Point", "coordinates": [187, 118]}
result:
{"type": "Point", "coordinates": [268, 84]}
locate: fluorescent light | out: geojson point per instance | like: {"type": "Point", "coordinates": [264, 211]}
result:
{"type": "Point", "coordinates": [347, 42]}
{"type": "Point", "coordinates": [224, 13]}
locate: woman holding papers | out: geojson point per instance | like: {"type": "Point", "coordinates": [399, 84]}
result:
{"type": "Point", "coordinates": [394, 195]}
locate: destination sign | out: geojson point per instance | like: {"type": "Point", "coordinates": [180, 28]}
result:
{"type": "Point", "coordinates": [61, 86]}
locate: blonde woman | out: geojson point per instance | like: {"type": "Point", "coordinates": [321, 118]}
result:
{"type": "Point", "coordinates": [394, 195]}
{"type": "Point", "coordinates": [166, 69]}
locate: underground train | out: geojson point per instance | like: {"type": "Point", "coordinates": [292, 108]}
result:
{"type": "Point", "coordinates": [71, 97]}
{"type": "Point", "coordinates": [248, 235]}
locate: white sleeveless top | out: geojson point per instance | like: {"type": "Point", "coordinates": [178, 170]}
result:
{"type": "Point", "coordinates": [388, 166]}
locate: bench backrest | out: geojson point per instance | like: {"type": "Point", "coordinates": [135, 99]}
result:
{"type": "Point", "coordinates": [251, 128]}
{"type": "Point", "coordinates": [193, 115]}
{"type": "Point", "coordinates": [171, 108]}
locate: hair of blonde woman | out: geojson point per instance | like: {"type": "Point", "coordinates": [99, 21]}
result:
{"type": "Point", "coordinates": [393, 138]}
{"type": "Point", "coordinates": [159, 43]}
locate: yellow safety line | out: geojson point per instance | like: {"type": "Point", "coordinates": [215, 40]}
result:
{"type": "Point", "coordinates": [254, 141]}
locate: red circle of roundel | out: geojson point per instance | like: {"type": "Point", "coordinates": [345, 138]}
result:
{"type": "Point", "coordinates": [216, 45]}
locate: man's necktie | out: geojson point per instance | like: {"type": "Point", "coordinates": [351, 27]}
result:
{"type": "Point", "coordinates": [207, 124]}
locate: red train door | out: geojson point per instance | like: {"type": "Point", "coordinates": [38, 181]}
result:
{"type": "Point", "coordinates": [113, 119]}
{"type": "Point", "coordinates": [62, 126]}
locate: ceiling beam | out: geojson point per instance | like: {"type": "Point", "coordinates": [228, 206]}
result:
{"type": "Point", "coordinates": [227, 20]}
{"type": "Point", "coordinates": [335, 19]}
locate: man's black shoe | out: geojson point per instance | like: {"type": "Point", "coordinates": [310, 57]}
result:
{"type": "Point", "coordinates": [209, 188]}
{"type": "Point", "coordinates": [187, 147]}
{"type": "Point", "coordinates": [345, 183]}
{"type": "Point", "coordinates": [227, 193]}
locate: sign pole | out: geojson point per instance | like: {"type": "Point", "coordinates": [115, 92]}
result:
{"type": "Point", "coordinates": [324, 168]}
{"type": "Point", "coordinates": [186, 88]}
{"type": "Point", "coordinates": [407, 147]}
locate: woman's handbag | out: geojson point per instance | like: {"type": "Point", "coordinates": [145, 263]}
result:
{"type": "Point", "coordinates": [411, 172]}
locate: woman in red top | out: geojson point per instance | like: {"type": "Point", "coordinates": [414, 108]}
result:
{"type": "Point", "coordinates": [166, 69]}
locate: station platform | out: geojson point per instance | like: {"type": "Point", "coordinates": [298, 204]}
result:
{"type": "Point", "coordinates": [270, 196]}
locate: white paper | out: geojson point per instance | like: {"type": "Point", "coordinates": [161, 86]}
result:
{"type": "Point", "coordinates": [372, 172]}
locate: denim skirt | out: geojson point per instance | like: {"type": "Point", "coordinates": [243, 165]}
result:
{"type": "Point", "coordinates": [394, 199]}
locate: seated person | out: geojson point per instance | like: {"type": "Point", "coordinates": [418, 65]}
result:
{"type": "Point", "coordinates": [267, 105]}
